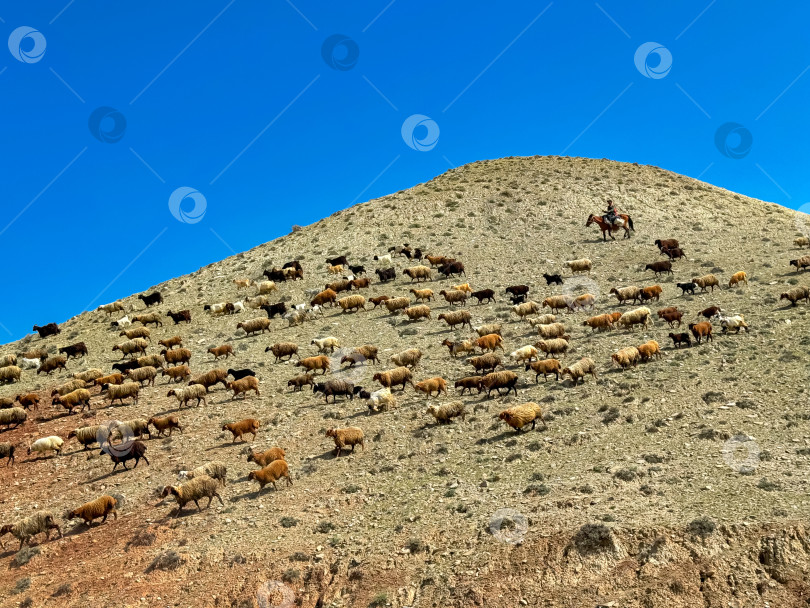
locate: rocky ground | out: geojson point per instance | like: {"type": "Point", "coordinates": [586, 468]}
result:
{"type": "Point", "coordinates": [681, 482]}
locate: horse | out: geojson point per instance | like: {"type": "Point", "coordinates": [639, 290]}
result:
{"type": "Point", "coordinates": [611, 228]}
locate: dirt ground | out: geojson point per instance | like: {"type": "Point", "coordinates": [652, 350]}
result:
{"type": "Point", "coordinates": [681, 482]}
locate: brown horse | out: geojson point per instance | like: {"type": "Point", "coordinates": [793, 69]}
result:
{"type": "Point", "coordinates": [611, 228]}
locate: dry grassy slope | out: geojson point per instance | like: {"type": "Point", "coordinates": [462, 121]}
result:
{"type": "Point", "coordinates": [416, 484]}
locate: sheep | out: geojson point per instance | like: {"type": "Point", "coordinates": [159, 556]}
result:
{"type": "Point", "coordinates": [624, 294]}
{"type": "Point", "coordinates": [7, 451]}
{"type": "Point", "coordinates": [111, 308]}
{"type": "Point", "coordinates": [489, 361]}
{"type": "Point", "coordinates": [457, 317]}
{"type": "Point", "coordinates": [311, 364]}
{"type": "Point", "coordinates": [47, 444]}
{"type": "Point", "coordinates": [151, 299]}
{"type": "Point", "coordinates": [243, 283]}
{"type": "Point", "coordinates": [6, 402]}
{"type": "Point", "coordinates": [555, 346]}
{"type": "Point", "coordinates": [193, 490]}
{"type": "Point", "coordinates": [489, 328]}
{"type": "Point", "coordinates": [484, 294]}
{"type": "Point", "coordinates": [437, 260]}
{"type": "Point", "coordinates": [555, 303]}
{"type": "Point", "coordinates": [214, 470]}
{"type": "Point", "coordinates": [381, 400]}
{"type": "Point", "coordinates": [681, 338]}
{"type": "Point", "coordinates": [323, 297]}
{"type": "Point", "coordinates": [463, 287]}
{"type": "Point", "coordinates": [579, 369]}
{"type": "Point", "coordinates": [687, 288]}
{"type": "Point", "coordinates": [32, 525]}
{"type": "Point", "coordinates": [129, 429]}
{"type": "Point", "coordinates": [28, 400]}
{"type": "Point", "coordinates": [51, 329]}
{"type": "Point", "coordinates": [68, 387]}
{"type": "Point", "coordinates": [136, 332]}
{"type": "Point", "coordinates": [526, 309]}
{"type": "Point", "coordinates": [407, 358]}
{"type": "Point", "coordinates": [666, 243]}
{"type": "Point", "coordinates": [673, 253]}
{"type": "Point", "coordinates": [122, 322]}
{"type": "Point", "coordinates": [801, 241]}
{"type": "Point", "coordinates": [238, 374]}
{"type": "Point", "coordinates": [148, 318]}
{"type": "Point", "coordinates": [136, 346]}
{"type": "Point", "coordinates": [462, 346]}
{"type": "Point", "coordinates": [659, 267]}
{"type": "Point", "coordinates": [29, 363]}
{"type": "Point", "coordinates": [702, 330]}
{"type": "Point", "coordinates": [13, 416]}
{"type": "Point", "coordinates": [176, 356]}
{"type": "Point", "coordinates": [130, 451]}
{"type": "Point", "coordinates": [267, 287]}
{"type": "Point", "coordinates": [143, 374]}
{"type": "Point", "coordinates": [735, 322]}
{"type": "Point", "coordinates": [349, 436]}
{"type": "Point", "coordinates": [35, 353]}
{"type": "Point", "coordinates": [7, 360]}
{"type": "Point", "coordinates": [271, 474]}
{"type": "Point", "coordinates": [167, 423]}
{"type": "Point", "coordinates": [586, 301]}
{"type": "Point", "coordinates": [80, 397]}
{"type": "Point", "coordinates": [217, 309]}
{"type": "Point", "coordinates": [418, 273]}
{"type": "Point", "coordinates": [352, 303]}
{"type": "Point", "coordinates": [801, 263]}
{"type": "Point", "coordinates": [184, 395]}
{"type": "Point", "coordinates": [393, 377]}
{"type": "Point", "coordinates": [672, 316]}
{"type": "Point", "coordinates": [299, 382]}
{"type": "Point", "coordinates": [414, 313]}
{"type": "Point", "coordinates": [708, 280]}
{"type": "Point", "coordinates": [253, 326]}
{"type": "Point", "coordinates": [795, 294]}
{"type": "Point", "coordinates": [211, 378]}
{"type": "Point", "coordinates": [649, 349]}
{"type": "Point", "coordinates": [357, 270]}
{"type": "Point", "coordinates": [437, 384]}
{"type": "Point", "coordinates": [490, 342]}
{"type": "Point", "coordinates": [48, 365]}
{"type": "Point", "coordinates": [324, 344]}
{"type": "Point", "coordinates": [519, 416]}
{"type": "Point", "coordinates": [738, 277]}
{"type": "Point", "coordinates": [545, 367]}
{"type": "Point", "coordinates": [260, 301]}
{"type": "Point", "coordinates": [338, 286]}
{"type": "Point", "coordinates": [552, 330]}
{"type": "Point", "coordinates": [498, 380]}
{"type": "Point", "coordinates": [626, 357]}
{"type": "Point", "coordinates": [525, 353]}
{"type": "Point", "coordinates": [86, 435]}
{"type": "Point", "coordinates": [385, 275]}
{"type": "Point", "coordinates": [637, 316]}
{"type": "Point", "coordinates": [468, 384]}
{"type": "Point", "coordinates": [599, 322]}
{"type": "Point", "coordinates": [178, 373]}
{"type": "Point", "coordinates": [183, 315]}
{"type": "Point", "coordinates": [340, 260]}
{"type": "Point", "coordinates": [395, 304]}
{"type": "Point", "coordinates": [119, 392]}
{"type": "Point", "coordinates": [170, 343]}
{"type": "Point", "coordinates": [243, 427]}
{"type": "Point", "coordinates": [100, 507]}
{"type": "Point", "coordinates": [367, 352]}
{"type": "Point", "coordinates": [423, 295]}
{"type": "Point", "coordinates": [453, 296]}
{"type": "Point", "coordinates": [264, 458]}
{"type": "Point", "coordinates": [582, 265]}
{"type": "Point", "coordinates": [652, 292]}
{"type": "Point", "coordinates": [337, 269]}
{"type": "Point", "coordinates": [283, 349]}
{"type": "Point", "coordinates": [444, 413]}
{"type": "Point", "coordinates": [335, 387]}
{"type": "Point", "coordinates": [243, 385]}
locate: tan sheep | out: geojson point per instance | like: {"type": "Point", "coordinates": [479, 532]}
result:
{"type": "Point", "coordinates": [283, 349]}
{"type": "Point", "coordinates": [555, 346]}
{"type": "Point", "coordinates": [253, 326]}
{"type": "Point", "coordinates": [354, 302]}
{"type": "Point", "coordinates": [638, 316]}
{"type": "Point", "coordinates": [437, 385]}
{"type": "Point", "coordinates": [489, 328]}
{"type": "Point", "coordinates": [393, 377]}
{"type": "Point", "coordinates": [414, 313]}
{"type": "Point", "coordinates": [546, 319]}
{"type": "Point", "coordinates": [118, 392]}
{"type": "Point", "coordinates": [454, 296]}
{"type": "Point", "coordinates": [581, 265]}
{"type": "Point", "coordinates": [650, 349]}
{"type": "Point", "coordinates": [708, 280]}
{"type": "Point", "coordinates": [624, 294]}
{"type": "Point", "coordinates": [423, 295]}
{"type": "Point", "coordinates": [345, 437]}
{"type": "Point", "coordinates": [143, 374]}
{"type": "Point", "coordinates": [272, 473]}
{"type": "Point", "coordinates": [525, 353]}
{"type": "Point", "coordinates": [738, 277]}
{"type": "Point", "coordinates": [243, 427]}
{"type": "Point", "coordinates": [579, 369]}
{"type": "Point", "coordinates": [626, 357]}
{"type": "Point", "coordinates": [519, 416]}
{"type": "Point", "coordinates": [184, 395]}
{"type": "Point", "coordinates": [457, 317]}
{"type": "Point", "coordinates": [444, 413]}
{"type": "Point", "coordinates": [100, 507]}
{"type": "Point", "coordinates": [555, 303]}
{"type": "Point", "coordinates": [418, 273]}
{"type": "Point", "coordinates": [545, 367]}
{"type": "Point", "coordinates": [243, 385]}
{"type": "Point", "coordinates": [395, 304]}
{"type": "Point", "coordinates": [526, 308]}
{"type": "Point", "coordinates": [553, 330]}
{"type": "Point", "coordinates": [407, 358]}
{"type": "Point", "coordinates": [193, 490]}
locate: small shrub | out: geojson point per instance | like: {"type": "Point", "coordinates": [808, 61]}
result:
{"type": "Point", "coordinates": [167, 560]}
{"type": "Point", "coordinates": [768, 485]}
{"type": "Point", "coordinates": [290, 575]}
{"type": "Point", "coordinates": [325, 527]}
{"type": "Point", "coordinates": [593, 537]}
{"type": "Point", "coordinates": [351, 489]}
{"type": "Point", "coordinates": [702, 526]}
{"type": "Point", "coordinates": [288, 522]}
{"type": "Point", "coordinates": [628, 474]}
{"type": "Point", "coordinates": [21, 585]}
{"type": "Point", "coordinates": [24, 555]}
{"type": "Point", "coordinates": [299, 556]}
{"type": "Point", "coordinates": [380, 600]}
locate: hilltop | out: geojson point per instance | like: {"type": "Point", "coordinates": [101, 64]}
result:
{"type": "Point", "coordinates": [681, 482]}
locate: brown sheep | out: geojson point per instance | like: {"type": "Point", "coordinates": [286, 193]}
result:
{"type": "Point", "coordinates": [519, 416]}
{"type": "Point", "coordinates": [600, 322]}
{"type": "Point", "coordinates": [651, 293]}
{"type": "Point", "coordinates": [271, 474]}
{"type": "Point", "coordinates": [176, 356]}
{"type": "Point", "coordinates": [299, 382]}
{"type": "Point", "coordinates": [498, 380]}
{"type": "Point", "coordinates": [283, 349]}
{"type": "Point", "coordinates": [167, 423]}
{"type": "Point", "coordinates": [423, 295]}
{"type": "Point", "coordinates": [490, 342]}
{"type": "Point", "coordinates": [395, 304]}
{"type": "Point", "coordinates": [324, 297]}
{"type": "Point", "coordinates": [437, 384]}
{"type": "Point", "coordinates": [100, 507]}
{"type": "Point", "coordinates": [545, 367]}
{"type": "Point", "coordinates": [379, 300]}
{"type": "Point", "coordinates": [264, 458]}
{"type": "Point", "coordinates": [485, 362]}
{"type": "Point", "coordinates": [243, 385]}
{"type": "Point", "coordinates": [393, 377]}
{"type": "Point", "coordinates": [177, 373]}
{"type": "Point", "coordinates": [311, 364]}
{"type": "Point", "coordinates": [414, 313]}
{"type": "Point", "coordinates": [243, 427]}
{"type": "Point", "coordinates": [454, 297]}
{"type": "Point", "coordinates": [170, 343]}
{"type": "Point", "coordinates": [701, 330]}
{"type": "Point", "coordinates": [349, 436]}
{"type": "Point", "coordinates": [738, 277]}
{"type": "Point", "coordinates": [226, 350]}
{"type": "Point", "coordinates": [469, 383]}
{"type": "Point", "coordinates": [649, 350]}
{"type": "Point", "coordinates": [211, 378]}
{"type": "Point", "coordinates": [457, 317]}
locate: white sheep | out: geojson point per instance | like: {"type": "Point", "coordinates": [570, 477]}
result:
{"type": "Point", "coordinates": [266, 287]}
{"type": "Point", "coordinates": [381, 400]}
{"type": "Point", "coordinates": [30, 363]}
{"type": "Point", "coordinates": [384, 259]}
{"type": "Point", "coordinates": [238, 307]}
{"type": "Point", "coordinates": [582, 265]}
{"type": "Point", "coordinates": [123, 322]}
{"type": "Point", "coordinates": [324, 344]}
{"type": "Point", "coordinates": [47, 444]}
{"type": "Point", "coordinates": [525, 353]}
{"type": "Point", "coordinates": [735, 322]}
{"type": "Point", "coordinates": [637, 316]}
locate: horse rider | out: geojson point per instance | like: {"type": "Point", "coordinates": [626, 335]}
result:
{"type": "Point", "coordinates": [612, 214]}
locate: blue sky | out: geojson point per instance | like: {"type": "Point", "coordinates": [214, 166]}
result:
{"type": "Point", "coordinates": [269, 120]}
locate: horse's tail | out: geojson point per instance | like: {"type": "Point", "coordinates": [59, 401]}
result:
{"type": "Point", "coordinates": [630, 221]}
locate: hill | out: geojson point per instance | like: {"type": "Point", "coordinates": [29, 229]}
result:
{"type": "Point", "coordinates": [680, 482]}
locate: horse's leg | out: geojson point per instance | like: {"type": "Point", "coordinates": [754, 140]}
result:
{"type": "Point", "coordinates": [626, 232]}
{"type": "Point", "coordinates": [610, 230]}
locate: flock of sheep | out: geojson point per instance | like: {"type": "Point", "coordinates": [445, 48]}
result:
{"type": "Point", "coordinates": [490, 371]}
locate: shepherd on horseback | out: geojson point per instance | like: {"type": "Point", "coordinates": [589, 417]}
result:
{"type": "Point", "coordinates": [611, 222]}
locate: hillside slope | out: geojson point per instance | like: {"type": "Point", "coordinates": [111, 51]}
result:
{"type": "Point", "coordinates": [680, 482]}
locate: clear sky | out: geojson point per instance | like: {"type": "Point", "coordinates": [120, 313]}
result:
{"type": "Point", "coordinates": [281, 112]}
